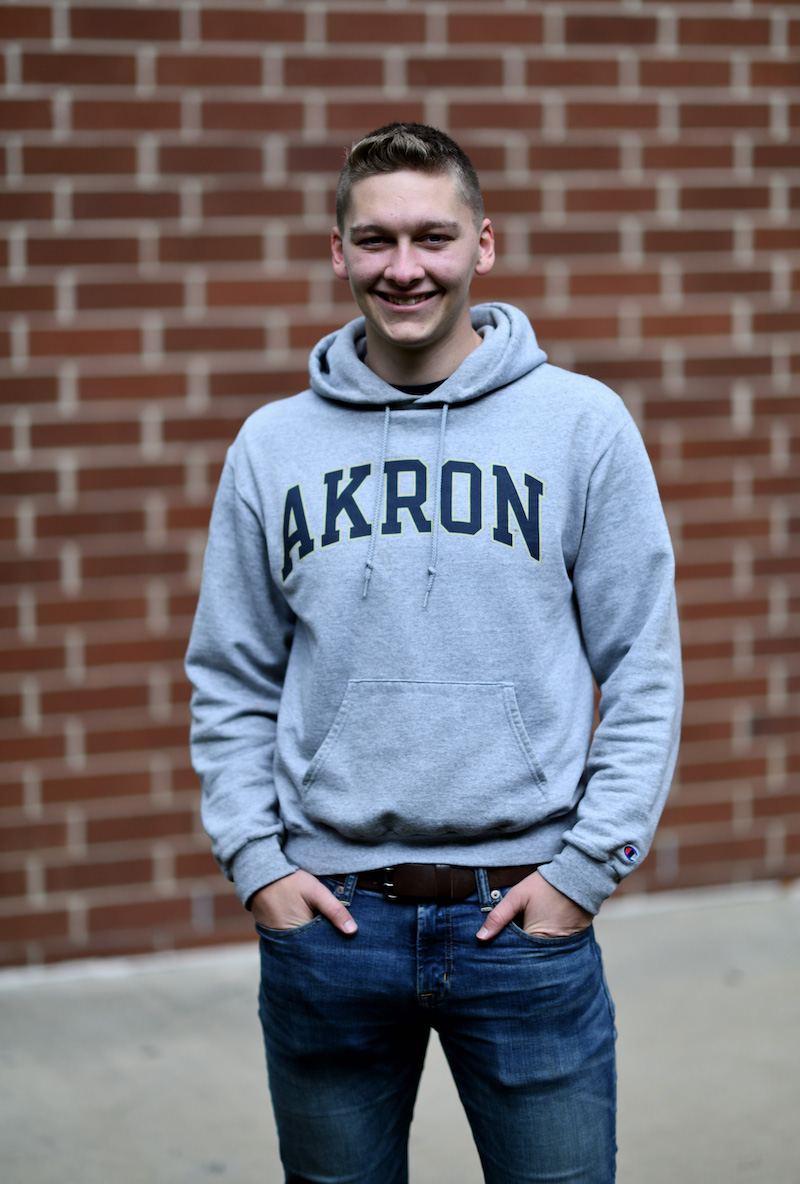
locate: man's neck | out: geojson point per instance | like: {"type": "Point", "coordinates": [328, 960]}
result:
{"type": "Point", "coordinates": [401, 366]}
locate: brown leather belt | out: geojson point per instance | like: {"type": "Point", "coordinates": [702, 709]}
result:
{"type": "Point", "coordinates": [435, 881]}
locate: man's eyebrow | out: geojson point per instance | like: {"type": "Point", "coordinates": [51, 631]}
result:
{"type": "Point", "coordinates": [433, 224]}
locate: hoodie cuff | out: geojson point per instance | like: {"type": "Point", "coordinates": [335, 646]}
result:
{"type": "Point", "coordinates": [585, 880]}
{"type": "Point", "coordinates": [258, 864]}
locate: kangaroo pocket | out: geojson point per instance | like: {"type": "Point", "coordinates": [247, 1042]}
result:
{"type": "Point", "coordinates": [425, 760]}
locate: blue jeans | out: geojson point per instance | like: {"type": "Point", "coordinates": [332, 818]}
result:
{"type": "Point", "coordinates": [526, 1024]}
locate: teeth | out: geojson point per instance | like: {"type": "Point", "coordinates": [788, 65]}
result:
{"type": "Point", "coordinates": [404, 299]}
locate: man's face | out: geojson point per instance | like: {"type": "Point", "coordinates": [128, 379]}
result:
{"type": "Point", "coordinates": [410, 248]}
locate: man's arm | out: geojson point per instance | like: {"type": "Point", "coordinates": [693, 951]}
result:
{"type": "Point", "coordinates": [236, 661]}
{"type": "Point", "coordinates": [623, 581]}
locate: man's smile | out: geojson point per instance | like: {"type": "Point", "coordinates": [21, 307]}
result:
{"type": "Point", "coordinates": [404, 301]}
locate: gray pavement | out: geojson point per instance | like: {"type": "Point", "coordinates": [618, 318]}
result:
{"type": "Point", "coordinates": [150, 1070]}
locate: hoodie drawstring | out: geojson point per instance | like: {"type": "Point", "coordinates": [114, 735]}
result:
{"type": "Point", "coordinates": [437, 497]}
{"type": "Point", "coordinates": [373, 536]}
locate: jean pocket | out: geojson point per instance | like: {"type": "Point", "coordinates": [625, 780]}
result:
{"type": "Point", "coordinates": [293, 931]}
{"type": "Point", "coordinates": [571, 941]}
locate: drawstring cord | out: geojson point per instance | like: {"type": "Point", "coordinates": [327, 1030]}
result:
{"type": "Point", "coordinates": [373, 537]}
{"type": "Point", "coordinates": [437, 492]}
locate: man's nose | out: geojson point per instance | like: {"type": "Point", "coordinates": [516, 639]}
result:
{"type": "Point", "coordinates": [404, 267]}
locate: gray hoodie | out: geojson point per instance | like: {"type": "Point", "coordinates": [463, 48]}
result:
{"type": "Point", "coordinates": [405, 602]}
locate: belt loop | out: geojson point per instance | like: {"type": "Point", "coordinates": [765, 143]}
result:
{"type": "Point", "coordinates": [349, 888]}
{"type": "Point", "coordinates": [482, 881]}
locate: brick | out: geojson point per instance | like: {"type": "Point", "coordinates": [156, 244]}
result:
{"type": "Point", "coordinates": [511, 28]}
{"type": "Point", "coordinates": [706, 282]}
{"type": "Point", "coordinates": [236, 293]}
{"type": "Point", "coordinates": [27, 298]}
{"type": "Point", "coordinates": [24, 484]}
{"type": "Point", "coordinates": [87, 434]}
{"type": "Point", "coordinates": [139, 915]}
{"type": "Point", "coordinates": [779, 239]}
{"type": "Point", "coordinates": [17, 837]}
{"type": "Point", "coordinates": [745, 197]}
{"type": "Point", "coordinates": [776, 322]}
{"type": "Point", "coordinates": [524, 200]}
{"type": "Point", "coordinates": [100, 522]}
{"type": "Point", "coordinates": [12, 883]}
{"type": "Point", "coordinates": [128, 115]}
{"type": "Point", "coordinates": [129, 295]}
{"type": "Point", "coordinates": [24, 21]}
{"type": "Point", "coordinates": [382, 28]}
{"type": "Point", "coordinates": [110, 159]}
{"type": "Point", "coordinates": [79, 69]}
{"type": "Point", "coordinates": [610, 30]}
{"type": "Point", "coordinates": [44, 343]}
{"type": "Point", "coordinates": [350, 116]}
{"type": "Point", "coordinates": [707, 325]}
{"type": "Point", "coordinates": [25, 114]}
{"type": "Point", "coordinates": [336, 71]}
{"type": "Point", "coordinates": [688, 156]}
{"type": "Point", "coordinates": [574, 157]}
{"type": "Point", "coordinates": [563, 72]}
{"type": "Point", "coordinates": [232, 24]}
{"type": "Point", "coordinates": [266, 115]}
{"type": "Point", "coordinates": [16, 207]}
{"type": "Point", "coordinates": [615, 284]}
{"type": "Point", "coordinates": [579, 242]}
{"type": "Point", "coordinates": [131, 386]}
{"type": "Point", "coordinates": [127, 24]}
{"type": "Point", "coordinates": [197, 70]}
{"type": "Point", "coordinates": [122, 204]}
{"type": "Point", "coordinates": [582, 116]}
{"type": "Point", "coordinates": [27, 926]}
{"type": "Point", "coordinates": [316, 158]}
{"type": "Point", "coordinates": [629, 199]}
{"type": "Point", "coordinates": [718, 32]}
{"type": "Point", "coordinates": [775, 75]}
{"type": "Point", "coordinates": [251, 203]}
{"type": "Point", "coordinates": [216, 160]}
{"type": "Point", "coordinates": [497, 115]}
{"type": "Point", "coordinates": [214, 337]}
{"type": "Point", "coordinates": [25, 390]}
{"type": "Point", "coordinates": [465, 72]}
{"type": "Point", "coordinates": [775, 156]}
{"type": "Point", "coordinates": [77, 877]}
{"type": "Point", "coordinates": [682, 73]}
{"type": "Point", "coordinates": [90, 787]}
{"type": "Point", "coordinates": [211, 248]}
{"type": "Point", "coordinates": [129, 828]}
{"type": "Point", "coordinates": [724, 115]}
{"type": "Point", "coordinates": [308, 246]}
{"type": "Point", "coordinates": [672, 242]}
{"type": "Point", "coordinates": [71, 252]}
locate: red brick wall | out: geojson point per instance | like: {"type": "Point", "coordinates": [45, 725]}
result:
{"type": "Point", "coordinates": [169, 172]}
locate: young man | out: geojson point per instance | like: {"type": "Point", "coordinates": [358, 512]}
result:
{"type": "Point", "coordinates": [415, 571]}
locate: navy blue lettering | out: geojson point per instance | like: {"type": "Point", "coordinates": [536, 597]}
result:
{"type": "Point", "coordinates": [508, 498]}
{"type": "Point", "coordinates": [411, 502]}
{"type": "Point", "coordinates": [472, 524]}
{"type": "Point", "coordinates": [293, 509]}
{"type": "Point", "coordinates": [344, 503]}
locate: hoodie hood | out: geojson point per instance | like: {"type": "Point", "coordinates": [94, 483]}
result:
{"type": "Point", "coordinates": [509, 351]}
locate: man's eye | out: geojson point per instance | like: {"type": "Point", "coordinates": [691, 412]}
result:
{"type": "Point", "coordinates": [436, 240]}
{"type": "Point", "coordinates": [371, 242]}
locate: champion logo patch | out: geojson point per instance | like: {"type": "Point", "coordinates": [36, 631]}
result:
{"type": "Point", "coordinates": [631, 853]}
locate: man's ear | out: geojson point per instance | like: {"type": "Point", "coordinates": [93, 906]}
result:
{"type": "Point", "coordinates": [485, 249]}
{"type": "Point", "coordinates": [337, 254]}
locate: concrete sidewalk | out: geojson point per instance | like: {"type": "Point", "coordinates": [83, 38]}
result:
{"type": "Point", "coordinates": [150, 1070]}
